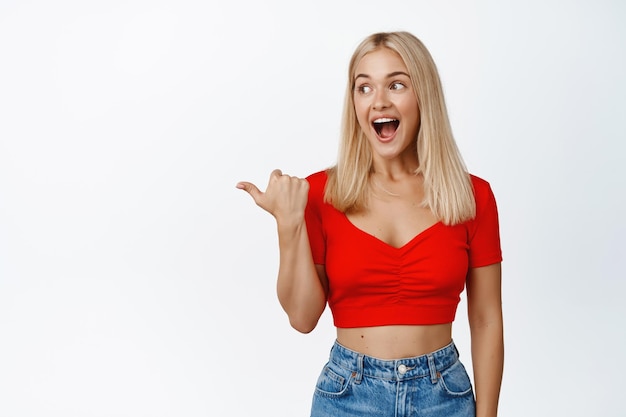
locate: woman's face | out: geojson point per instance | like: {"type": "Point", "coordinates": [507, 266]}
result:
{"type": "Point", "coordinates": [385, 104]}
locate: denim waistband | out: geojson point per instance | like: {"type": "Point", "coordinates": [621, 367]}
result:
{"type": "Point", "coordinates": [429, 364]}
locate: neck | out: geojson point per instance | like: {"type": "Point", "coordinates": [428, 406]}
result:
{"type": "Point", "coordinates": [395, 169]}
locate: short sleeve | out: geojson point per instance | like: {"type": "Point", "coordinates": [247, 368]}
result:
{"type": "Point", "coordinates": [313, 217]}
{"type": "Point", "coordinates": [484, 229]}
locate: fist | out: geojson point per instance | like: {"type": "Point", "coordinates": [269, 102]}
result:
{"type": "Point", "coordinates": [285, 197]}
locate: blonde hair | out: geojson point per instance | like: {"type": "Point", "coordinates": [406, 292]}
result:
{"type": "Point", "coordinates": [448, 189]}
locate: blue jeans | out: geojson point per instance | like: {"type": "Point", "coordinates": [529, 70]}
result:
{"type": "Point", "coordinates": [353, 384]}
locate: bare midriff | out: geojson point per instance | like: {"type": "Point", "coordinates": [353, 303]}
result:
{"type": "Point", "coordinates": [395, 342]}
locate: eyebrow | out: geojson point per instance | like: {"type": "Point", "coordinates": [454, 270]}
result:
{"type": "Point", "coordinates": [390, 75]}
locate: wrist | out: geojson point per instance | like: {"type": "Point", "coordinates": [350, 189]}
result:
{"type": "Point", "coordinates": [289, 227]}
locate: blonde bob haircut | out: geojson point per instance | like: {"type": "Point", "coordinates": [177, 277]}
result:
{"type": "Point", "coordinates": [448, 191]}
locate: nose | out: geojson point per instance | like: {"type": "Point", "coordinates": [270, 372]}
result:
{"type": "Point", "coordinates": [381, 100]}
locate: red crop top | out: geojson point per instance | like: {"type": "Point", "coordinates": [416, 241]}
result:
{"type": "Point", "coordinates": [372, 283]}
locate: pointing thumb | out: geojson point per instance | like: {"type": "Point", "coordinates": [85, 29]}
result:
{"type": "Point", "coordinates": [250, 189]}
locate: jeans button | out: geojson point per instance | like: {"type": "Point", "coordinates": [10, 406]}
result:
{"type": "Point", "coordinates": [402, 369]}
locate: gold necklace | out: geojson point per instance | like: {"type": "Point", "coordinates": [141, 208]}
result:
{"type": "Point", "coordinates": [384, 189]}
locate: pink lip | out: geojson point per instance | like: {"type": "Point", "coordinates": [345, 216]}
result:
{"type": "Point", "coordinates": [383, 116]}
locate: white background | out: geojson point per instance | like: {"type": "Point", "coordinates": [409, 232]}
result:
{"type": "Point", "coordinates": [135, 280]}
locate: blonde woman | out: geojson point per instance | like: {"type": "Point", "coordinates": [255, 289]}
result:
{"type": "Point", "coordinates": [389, 237]}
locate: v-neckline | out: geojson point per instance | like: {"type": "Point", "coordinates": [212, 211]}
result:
{"type": "Point", "coordinates": [388, 245]}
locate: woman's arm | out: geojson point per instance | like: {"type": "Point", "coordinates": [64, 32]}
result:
{"type": "Point", "coordinates": [484, 301]}
{"type": "Point", "coordinates": [301, 285]}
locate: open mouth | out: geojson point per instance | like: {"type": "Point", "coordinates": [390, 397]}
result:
{"type": "Point", "coordinates": [385, 127]}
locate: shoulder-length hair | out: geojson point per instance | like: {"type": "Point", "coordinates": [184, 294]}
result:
{"type": "Point", "coordinates": [448, 189]}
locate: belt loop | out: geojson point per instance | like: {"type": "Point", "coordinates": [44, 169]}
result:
{"type": "Point", "coordinates": [359, 371]}
{"type": "Point", "coordinates": [457, 355]}
{"type": "Point", "coordinates": [433, 370]}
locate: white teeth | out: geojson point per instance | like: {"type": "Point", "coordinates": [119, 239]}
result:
{"type": "Point", "coordinates": [384, 120]}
